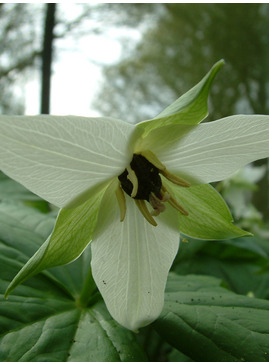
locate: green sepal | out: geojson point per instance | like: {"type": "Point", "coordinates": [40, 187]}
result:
{"type": "Point", "coordinates": [189, 109]}
{"type": "Point", "coordinates": [72, 233]}
{"type": "Point", "coordinates": [209, 217]}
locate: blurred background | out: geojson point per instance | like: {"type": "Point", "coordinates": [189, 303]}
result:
{"type": "Point", "coordinates": [129, 61]}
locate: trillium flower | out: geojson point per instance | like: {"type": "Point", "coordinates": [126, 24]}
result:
{"type": "Point", "coordinates": [130, 189]}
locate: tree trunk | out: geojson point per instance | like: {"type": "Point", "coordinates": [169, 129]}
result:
{"type": "Point", "coordinates": [47, 58]}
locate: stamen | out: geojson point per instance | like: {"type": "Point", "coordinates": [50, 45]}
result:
{"type": "Point", "coordinates": [174, 203]}
{"type": "Point", "coordinates": [132, 177]}
{"type": "Point", "coordinates": [172, 178]}
{"type": "Point", "coordinates": [165, 195]}
{"type": "Point", "coordinates": [121, 201]}
{"type": "Point", "coordinates": [177, 206]}
{"type": "Point", "coordinates": [142, 181]}
{"type": "Point", "coordinates": [145, 212]}
{"type": "Point", "coordinates": [151, 157]}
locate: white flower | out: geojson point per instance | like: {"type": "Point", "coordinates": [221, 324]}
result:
{"type": "Point", "coordinates": [96, 168]}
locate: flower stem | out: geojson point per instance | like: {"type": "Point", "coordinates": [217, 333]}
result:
{"type": "Point", "coordinates": [89, 287]}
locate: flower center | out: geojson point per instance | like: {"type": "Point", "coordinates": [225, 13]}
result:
{"type": "Point", "coordinates": [142, 181]}
{"type": "Point", "coordinates": [147, 176]}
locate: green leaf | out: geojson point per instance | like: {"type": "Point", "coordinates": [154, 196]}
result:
{"type": "Point", "coordinates": [20, 224]}
{"type": "Point", "coordinates": [191, 108]}
{"type": "Point", "coordinates": [56, 330]}
{"type": "Point", "coordinates": [244, 248]}
{"type": "Point", "coordinates": [72, 233]}
{"type": "Point", "coordinates": [236, 261]}
{"type": "Point", "coordinates": [209, 217]}
{"type": "Point", "coordinates": [13, 191]}
{"type": "Point", "coordinates": [209, 323]}
{"type": "Point", "coordinates": [42, 321]}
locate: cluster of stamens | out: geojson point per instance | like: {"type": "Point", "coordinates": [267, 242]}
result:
{"type": "Point", "coordinates": [142, 181]}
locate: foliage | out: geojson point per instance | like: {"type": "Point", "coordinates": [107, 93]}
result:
{"type": "Point", "coordinates": [43, 321]}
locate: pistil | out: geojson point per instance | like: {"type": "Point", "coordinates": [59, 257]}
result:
{"type": "Point", "coordinates": [133, 179]}
{"type": "Point", "coordinates": [145, 212]}
{"type": "Point", "coordinates": [158, 203]}
{"type": "Point", "coordinates": [141, 180]}
{"type": "Point", "coordinates": [174, 203]}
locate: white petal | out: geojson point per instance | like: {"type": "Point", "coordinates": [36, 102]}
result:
{"type": "Point", "coordinates": [214, 151]}
{"type": "Point", "coordinates": [130, 263]}
{"type": "Point", "coordinates": [62, 157]}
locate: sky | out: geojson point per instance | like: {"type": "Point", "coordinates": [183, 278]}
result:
{"type": "Point", "coordinates": [77, 67]}
{"type": "Point", "coordinates": [72, 88]}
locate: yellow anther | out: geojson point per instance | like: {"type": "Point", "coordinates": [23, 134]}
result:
{"type": "Point", "coordinates": [174, 179]}
{"type": "Point", "coordinates": [173, 202]}
{"type": "Point", "coordinates": [145, 169]}
{"type": "Point", "coordinates": [145, 212]}
{"type": "Point", "coordinates": [132, 177]}
{"type": "Point", "coordinates": [151, 157]}
{"type": "Point", "coordinates": [121, 201]}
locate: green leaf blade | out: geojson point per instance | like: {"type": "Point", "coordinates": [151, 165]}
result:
{"type": "Point", "coordinates": [237, 262]}
{"type": "Point", "coordinates": [213, 324]}
{"type": "Point", "coordinates": [13, 191]}
{"type": "Point", "coordinates": [113, 340]}
{"type": "Point", "coordinates": [40, 341]}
